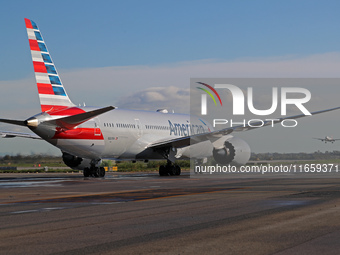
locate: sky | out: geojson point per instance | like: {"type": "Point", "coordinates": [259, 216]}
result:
{"type": "Point", "coordinates": [142, 54]}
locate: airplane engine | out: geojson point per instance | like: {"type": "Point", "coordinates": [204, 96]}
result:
{"type": "Point", "coordinates": [234, 151]}
{"type": "Point", "coordinates": [75, 162]}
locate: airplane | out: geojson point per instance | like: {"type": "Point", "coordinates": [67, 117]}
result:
{"type": "Point", "coordinates": [86, 135]}
{"type": "Point", "coordinates": [327, 139]}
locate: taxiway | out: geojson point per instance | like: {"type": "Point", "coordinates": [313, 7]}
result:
{"type": "Point", "coordinates": [146, 214]}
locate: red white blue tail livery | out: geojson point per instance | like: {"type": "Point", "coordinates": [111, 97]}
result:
{"type": "Point", "coordinates": [52, 93]}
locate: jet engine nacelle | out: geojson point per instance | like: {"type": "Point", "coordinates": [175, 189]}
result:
{"type": "Point", "coordinates": [77, 163]}
{"type": "Point", "coordinates": [234, 151]}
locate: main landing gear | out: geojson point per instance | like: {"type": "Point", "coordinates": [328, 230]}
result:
{"type": "Point", "coordinates": [169, 169]}
{"type": "Point", "coordinates": [94, 171]}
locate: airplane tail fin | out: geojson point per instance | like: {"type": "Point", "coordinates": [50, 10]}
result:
{"type": "Point", "coordinates": [52, 93]}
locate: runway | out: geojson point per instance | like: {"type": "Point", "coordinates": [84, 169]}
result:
{"type": "Point", "coordinates": [142, 213]}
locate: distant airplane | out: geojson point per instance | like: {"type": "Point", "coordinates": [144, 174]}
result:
{"type": "Point", "coordinates": [86, 135]}
{"type": "Point", "coordinates": [327, 139]}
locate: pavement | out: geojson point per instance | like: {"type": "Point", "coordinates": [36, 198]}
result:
{"type": "Point", "coordinates": [143, 213]}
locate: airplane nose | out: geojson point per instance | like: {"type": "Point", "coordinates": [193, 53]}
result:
{"type": "Point", "coordinates": [32, 122]}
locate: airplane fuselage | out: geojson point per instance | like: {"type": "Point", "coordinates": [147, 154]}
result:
{"type": "Point", "coordinates": [126, 134]}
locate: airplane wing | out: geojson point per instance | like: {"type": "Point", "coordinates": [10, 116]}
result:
{"type": "Point", "coordinates": [319, 139]}
{"type": "Point", "coordinates": [180, 142]}
{"type": "Point", "coordinates": [8, 134]}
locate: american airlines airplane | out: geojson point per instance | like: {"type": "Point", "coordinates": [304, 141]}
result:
{"type": "Point", "coordinates": [327, 139]}
{"type": "Point", "coordinates": [86, 135]}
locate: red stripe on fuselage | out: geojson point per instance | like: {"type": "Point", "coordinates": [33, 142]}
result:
{"type": "Point", "coordinates": [47, 108]}
{"type": "Point", "coordinates": [61, 110]}
{"type": "Point", "coordinates": [80, 133]}
{"type": "Point", "coordinates": [66, 112]}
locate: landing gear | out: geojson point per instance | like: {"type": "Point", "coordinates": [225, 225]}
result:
{"type": "Point", "coordinates": [94, 171]}
{"type": "Point", "coordinates": [86, 172]}
{"type": "Point", "coordinates": [102, 171]}
{"type": "Point", "coordinates": [162, 170]}
{"type": "Point", "coordinates": [169, 169]}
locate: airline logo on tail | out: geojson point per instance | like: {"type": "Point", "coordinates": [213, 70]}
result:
{"type": "Point", "coordinates": [52, 94]}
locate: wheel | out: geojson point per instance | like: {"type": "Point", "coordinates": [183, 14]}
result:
{"type": "Point", "coordinates": [86, 172]}
{"type": "Point", "coordinates": [177, 170]}
{"type": "Point", "coordinates": [102, 172]}
{"type": "Point", "coordinates": [162, 171]}
{"type": "Point", "coordinates": [96, 172]}
{"type": "Point", "coordinates": [171, 169]}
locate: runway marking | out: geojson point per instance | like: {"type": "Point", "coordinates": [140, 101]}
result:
{"type": "Point", "coordinates": [26, 211]}
{"type": "Point", "coordinates": [38, 210]}
{"type": "Point", "coordinates": [129, 196]}
{"type": "Point", "coordinates": [25, 184]}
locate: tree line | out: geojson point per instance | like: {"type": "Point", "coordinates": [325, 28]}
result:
{"type": "Point", "coordinates": [296, 156]}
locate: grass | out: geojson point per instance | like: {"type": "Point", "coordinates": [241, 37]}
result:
{"type": "Point", "coordinates": [40, 171]}
{"type": "Point", "coordinates": [124, 166]}
{"type": "Point", "coordinates": [301, 162]}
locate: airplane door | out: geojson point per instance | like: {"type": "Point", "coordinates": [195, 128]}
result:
{"type": "Point", "coordinates": [138, 127]}
{"type": "Point", "coordinates": [97, 131]}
